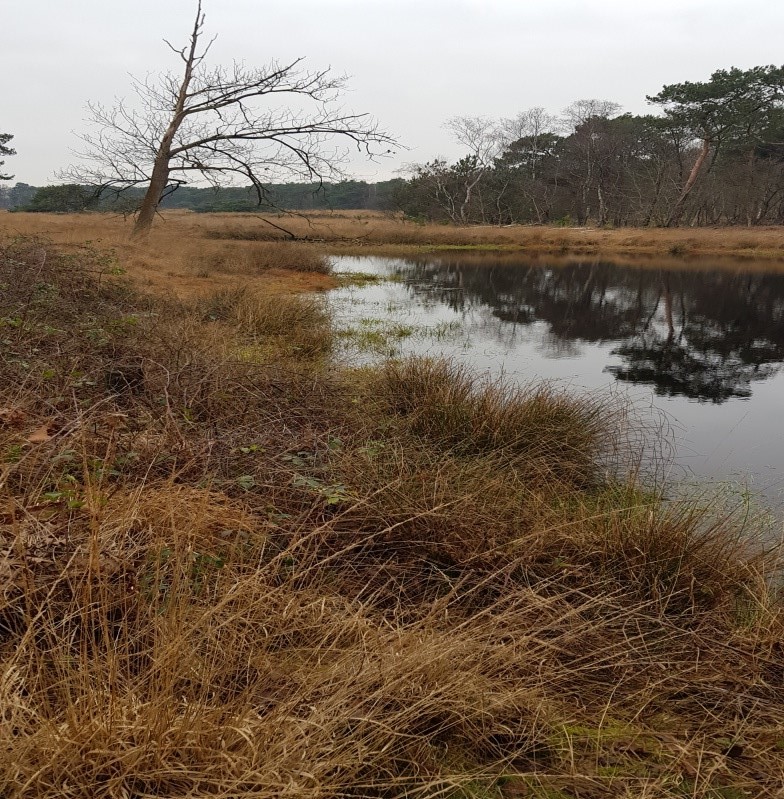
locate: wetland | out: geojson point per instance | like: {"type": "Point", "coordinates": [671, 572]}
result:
{"type": "Point", "coordinates": [697, 349]}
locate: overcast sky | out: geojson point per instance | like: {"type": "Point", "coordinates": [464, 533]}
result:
{"type": "Point", "coordinates": [413, 64]}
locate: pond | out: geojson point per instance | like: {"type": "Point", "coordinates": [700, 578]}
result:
{"type": "Point", "coordinates": [701, 348]}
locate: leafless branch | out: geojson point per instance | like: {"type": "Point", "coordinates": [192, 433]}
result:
{"type": "Point", "coordinates": [258, 125]}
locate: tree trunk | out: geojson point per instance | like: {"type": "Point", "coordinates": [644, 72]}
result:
{"type": "Point", "coordinates": [602, 206]}
{"type": "Point", "coordinates": [470, 185]}
{"type": "Point", "coordinates": [152, 197]}
{"type": "Point", "coordinates": [466, 202]}
{"type": "Point", "coordinates": [160, 169]}
{"type": "Point", "coordinates": [656, 194]}
{"type": "Point", "coordinates": [750, 189]}
{"type": "Point", "coordinates": [677, 211]}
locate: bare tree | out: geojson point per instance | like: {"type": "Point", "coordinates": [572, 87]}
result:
{"type": "Point", "coordinates": [531, 125]}
{"type": "Point", "coordinates": [581, 111]}
{"type": "Point", "coordinates": [222, 124]}
{"type": "Point", "coordinates": [484, 140]}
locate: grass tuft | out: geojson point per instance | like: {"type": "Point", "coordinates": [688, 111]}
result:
{"type": "Point", "coordinates": [256, 258]}
{"type": "Point", "coordinates": [536, 428]}
{"type": "Point", "coordinates": [299, 324]}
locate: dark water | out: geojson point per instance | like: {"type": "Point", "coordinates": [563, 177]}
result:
{"type": "Point", "coordinates": [704, 347]}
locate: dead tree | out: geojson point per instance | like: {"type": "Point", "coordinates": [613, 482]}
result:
{"type": "Point", "coordinates": [224, 125]}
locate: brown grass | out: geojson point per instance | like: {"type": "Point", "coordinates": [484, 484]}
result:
{"type": "Point", "coordinates": [299, 325]}
{"type": "Point", "coordinates": [232, 572]}
{"type": "Point", "coordinates": [446, 404]}
{"type": "Point", "coordinates": [196, 254]}
{"type": "Point", "coordinates": [357, 232]}
{"type": "Point", "coordinates": [177, 260]}
{"type": "Point", "coordinates": [249, 258]}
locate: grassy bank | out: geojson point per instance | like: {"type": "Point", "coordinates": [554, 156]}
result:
{"type": "Point", "coordinates": [177, 260]}
{"type": "Point", "coordinates": [192, 249]}
{"type": "Point", "coordinates": [231, 569]}
{"type": "Point", "coordinates": [360, 232]}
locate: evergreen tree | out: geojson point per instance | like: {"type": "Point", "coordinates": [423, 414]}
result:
{"type": "Point", "coordinates": [68, 198]}
{"type": "Point", "coordinates": [4, 139]}
{"type": "Point", "coordinates": [735, 104]}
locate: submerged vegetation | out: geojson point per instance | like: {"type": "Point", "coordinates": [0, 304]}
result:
{"type": "Point", "coordinates": [232, 568]}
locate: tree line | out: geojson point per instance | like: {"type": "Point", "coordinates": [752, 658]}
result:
{"type": "Point", "coordinates": [713, 156]}
{"type": "Point", "coordinates": [74, 197]}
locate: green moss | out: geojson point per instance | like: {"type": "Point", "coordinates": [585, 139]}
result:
{"type": "Point", "coordinates": [358, 278]}
{"type": "Point", "coordinates": [476, 789]}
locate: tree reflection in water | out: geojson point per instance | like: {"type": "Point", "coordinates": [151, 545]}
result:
{"type": "Point", "coordinates": [706, 335]}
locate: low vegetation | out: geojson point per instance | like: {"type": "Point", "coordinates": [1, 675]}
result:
{"type": "Point", "coordinates": [196, 253]}
{"type": "Point", "coordinates": [242, 259]}
{"type": "Point", "coordinates": [395, 235]}
{"type": "Point", "coordinates": [232, 569]}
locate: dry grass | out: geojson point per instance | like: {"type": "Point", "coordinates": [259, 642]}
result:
{"type": "Point", "coordinates": [251, 258]}
{"type": "Point", "coordinates": [177, 260]}
{"type": "Point", "coordinates": [299, 325]}
{"type": "Point", "coordinates": [535, 429]}
{"type": "Point", "coordinates": [238, 576]}
{"type": "Point", "coordinates": [196, 254]}
{"type": "Point", "coordinates": [356, 232]}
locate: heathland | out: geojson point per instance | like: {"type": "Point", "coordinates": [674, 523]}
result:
{"type": "Point", "coordinates": [185, 243]}
{"type": "Point", "coordinates": [233, 567]}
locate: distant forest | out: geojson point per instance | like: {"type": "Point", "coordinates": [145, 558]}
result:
{"type": "Point", "coordinates": [350, 194]}
{"type": "Point", "coordinates": [713, 155]}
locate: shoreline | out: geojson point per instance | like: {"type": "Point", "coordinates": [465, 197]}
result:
{"type": "Point", "coordinates": [644, 258]}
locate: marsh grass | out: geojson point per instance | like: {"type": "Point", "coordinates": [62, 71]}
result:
{"type": "Point", "coordinates": [360, 279]}
{"type": "Point", "coordinates": [459, 412]}
{"type": "Point", "coordinates": [177, 261]}
{"type": "Point", "coordinates": [250, 259]}
{"type": "Point", "coordinates": [231, 244]}
{"type": "Point", "coordinates": [378, 337]}
{"type": "Point", "coordinates": [298, 324]}
{"type": "Point", "coordinates": [230, 576]}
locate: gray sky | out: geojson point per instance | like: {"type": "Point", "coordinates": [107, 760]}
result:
{"type": "Point", "coordinates": [412, 64]}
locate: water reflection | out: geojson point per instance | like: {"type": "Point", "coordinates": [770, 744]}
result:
{"type": "Point", "coordinates": [705, 335]}
{"type": "Point", "coordinates": [699, 349]}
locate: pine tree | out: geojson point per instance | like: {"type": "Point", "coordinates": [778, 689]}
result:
{"type": "Point", "coordinates": [4, 139]}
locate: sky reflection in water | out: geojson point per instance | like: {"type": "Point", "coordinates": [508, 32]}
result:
{"type": "Point", "coordinates": [705, 347]}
